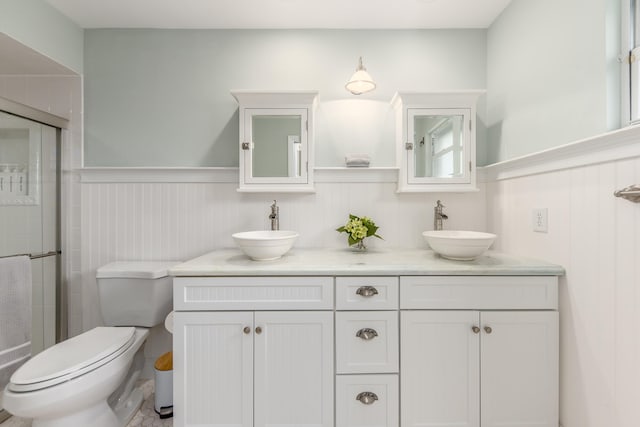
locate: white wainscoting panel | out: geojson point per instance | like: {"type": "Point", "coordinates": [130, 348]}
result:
{"type": "Point", "coordinates": [596, 237]}
{"type": "Point", "coordinates": [182, 220]}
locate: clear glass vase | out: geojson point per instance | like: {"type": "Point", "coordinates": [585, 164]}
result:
{"type": "Point", "coordinates": [359, 247]}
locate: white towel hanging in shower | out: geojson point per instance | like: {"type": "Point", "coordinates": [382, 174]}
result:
{"type": "Point", "coordinates": [15, 314]}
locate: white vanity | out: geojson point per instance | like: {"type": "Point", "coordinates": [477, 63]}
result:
{"type": "Point", "coordinates": [385, 338]}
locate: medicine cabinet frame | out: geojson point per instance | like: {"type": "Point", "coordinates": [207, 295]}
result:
{"type": "Point", "coordinates": [255, 107]}
{"type": "Point", "coordinates": [459, 104]}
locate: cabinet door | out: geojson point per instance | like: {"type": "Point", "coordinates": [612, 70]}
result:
{"type": "Point", "coordinates": [440, 146]}
{"type": "Point", "coordinates": [519, 359]}
{"type": "Point", "coordinates": [213, 369]}
{"type": "Point", "coordinates": [294, 369]}
{"type": "Point", "coordinates": [440, 369]}
{"type": "Point", "coordinates": [277, 150]}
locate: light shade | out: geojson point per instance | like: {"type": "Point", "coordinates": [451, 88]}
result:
{"type": "Point", "coordinates": [361, 81]}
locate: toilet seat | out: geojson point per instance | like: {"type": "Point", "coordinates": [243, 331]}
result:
{"type": "Point", "coordinates": [72, 358]}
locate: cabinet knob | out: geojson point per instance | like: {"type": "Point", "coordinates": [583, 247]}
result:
{"type": "Point", "coordinates": [475, 329]}
{"type": "Point", "coordinates": [258, 330]}
{"type": "Point", "coordinates": [367, 291]}
{"type": "Point", "coordinates": [367, 397]}
{"type": "Point", "coordinates": [246, 330]}
{"type": "Point", "coordinates": [367, 334]}
{"type": "Point", "coordinates": [488, 329]}
{"type": "Point", "coordinates": [246, 145]}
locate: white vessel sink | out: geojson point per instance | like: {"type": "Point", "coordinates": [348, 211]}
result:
{"type": "Point", "coordinates": [459, 245]}
{"type": "Point", "coordinates": [265, 245]}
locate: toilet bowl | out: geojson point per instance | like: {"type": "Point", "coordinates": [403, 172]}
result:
{"type": "Point", "coordinates": [89, 380]}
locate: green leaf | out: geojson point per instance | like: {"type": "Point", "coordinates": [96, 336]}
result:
{"type": "Point", "coordinates": [341, 229]}
{"type": "Point", "coordinates": [371, 230]}
{"type": "Point", "coordinates": [352, 241]}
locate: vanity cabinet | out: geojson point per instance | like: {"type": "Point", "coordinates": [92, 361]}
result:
{"type": "Point", "coordinates": [479, 368]}
{"type": "Point", "coordinates": [385, 349]}
{"type": "Point", "coordinates": [276, 141]}
{"type": "Point", "coordinates": [253, 367]}
{"type": "Point", "coordinates": [436, 141]}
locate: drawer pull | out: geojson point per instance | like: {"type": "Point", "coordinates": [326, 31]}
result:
{"type": "Point", "coordinates": [246, 330]}
{"type": "Point", "coordinates": [367, 334]}
{"type": "Point", "coordinates": [488, 329]}
{"type": "Point", "coordinates": [258, 330]}
{"type": "Point", "coordinates": [367, 397]}
{"type": "Point", "coordinates": [475, 329]}
{"type": "Point", "coordinates": [367, 291]}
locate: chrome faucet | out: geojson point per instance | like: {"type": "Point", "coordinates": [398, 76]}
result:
{"type": "Point", "coordinates": [438, 216]}
{"type": "Point", "coordinates": [275, 216]}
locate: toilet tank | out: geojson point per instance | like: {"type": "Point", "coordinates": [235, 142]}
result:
{"type": "Point", "coordinates": [135, 293]}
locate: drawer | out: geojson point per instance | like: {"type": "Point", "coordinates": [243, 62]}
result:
{"type": "Point", "coordinates": [479, 292]}
{"type": "Point", "coordinates": [367, 293]}
{"type": "Point", "coordinates": [252, 293]}
{"type": "Point", "coordinates": [378, 403]}
{"type": "Point", "coordinates": [366, 342]}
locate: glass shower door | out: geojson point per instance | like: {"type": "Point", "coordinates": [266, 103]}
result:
{"type": "Point", "coordinates": [29, 206]}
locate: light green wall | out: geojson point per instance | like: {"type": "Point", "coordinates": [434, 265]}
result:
{"type": "Point", "coordinates": [161, 97]}
{"type": "Point", "coordinates": [38, 25]}
{"type": "Point", "coordinates": [552, 74]}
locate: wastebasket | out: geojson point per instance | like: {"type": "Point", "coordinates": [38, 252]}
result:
{"type": "Point", "coordinates": [164, 385]}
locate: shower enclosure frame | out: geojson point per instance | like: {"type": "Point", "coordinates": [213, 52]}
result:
{"type": "Point", "coordinates": [59, 123]}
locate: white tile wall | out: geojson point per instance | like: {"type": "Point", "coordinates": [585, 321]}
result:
{"type": "Point", "coordinates": [596, 237]}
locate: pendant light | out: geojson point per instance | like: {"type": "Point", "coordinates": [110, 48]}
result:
{"type": "Point", "coordinates": [361, 81]}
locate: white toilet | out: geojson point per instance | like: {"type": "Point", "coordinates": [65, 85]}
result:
{"type": "Point", "coordinates": [89, 380]}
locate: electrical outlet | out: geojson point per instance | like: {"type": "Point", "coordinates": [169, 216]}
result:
{"type": "Point", "coordinates": [540, 220]}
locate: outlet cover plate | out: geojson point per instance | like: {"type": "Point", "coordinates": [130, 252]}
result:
{"type": "Point", "coordinates": [540, 219]}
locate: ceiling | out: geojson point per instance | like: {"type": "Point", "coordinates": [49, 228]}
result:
{"type": "Point", "coordinates": [266, 14]}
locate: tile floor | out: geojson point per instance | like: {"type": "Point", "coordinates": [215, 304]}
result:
{"type": "Point", "coordinates": [146, 416]}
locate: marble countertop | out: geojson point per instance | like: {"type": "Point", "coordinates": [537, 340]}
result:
{"type": "Point", "coordinates": [346, 262]}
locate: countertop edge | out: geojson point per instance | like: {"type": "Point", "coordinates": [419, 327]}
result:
{"type": "Point", "coordinates": [337, 262]}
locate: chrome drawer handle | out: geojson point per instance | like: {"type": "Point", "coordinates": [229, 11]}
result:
{"type": "Point", "coordinates": [367, 334]}
{"type": "Point", "coordinates": [367, 397]}
{"type": "Point", "coordinates": [367, 291]}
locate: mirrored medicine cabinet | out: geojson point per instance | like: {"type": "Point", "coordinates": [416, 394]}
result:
{"type": "Point", "coordinates": [276, 141]}
{"type": "Point", "coordinates": [436, 141]}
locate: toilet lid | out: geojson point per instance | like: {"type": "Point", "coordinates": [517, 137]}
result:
{"type": "Point", "coordinates": [73, 357]}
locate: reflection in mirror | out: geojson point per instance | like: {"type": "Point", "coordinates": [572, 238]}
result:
{"type": "Point", "coordinates": [20, 147]}
{"type": "Point", "coordinates": [438, 146]}
{"type": "Point", "coordinates": [276, 145]}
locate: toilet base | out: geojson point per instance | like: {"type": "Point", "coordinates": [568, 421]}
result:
{"type": "Point", "coordinates": [99, 415]}
{"type": "Point", "coordinates": [125, 412]}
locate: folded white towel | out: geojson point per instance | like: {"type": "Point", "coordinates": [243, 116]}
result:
{"type": "Point", "coordinates": [357, 160]}
{"type": "Point", "coordinates": [15, 314]}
